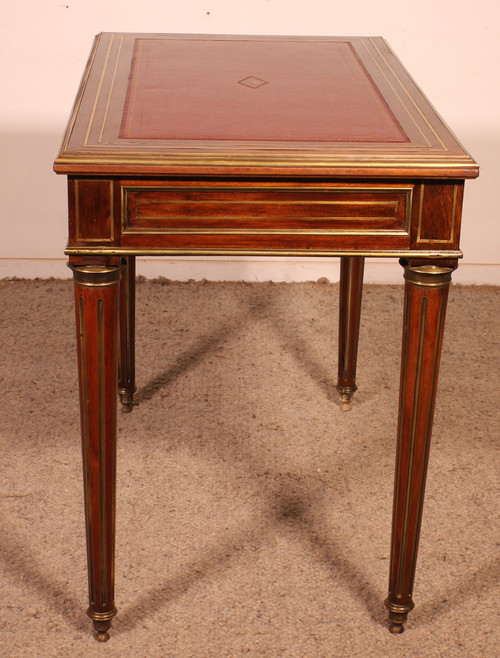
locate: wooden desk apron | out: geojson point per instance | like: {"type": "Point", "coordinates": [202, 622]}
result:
{"type": "Point", "coordinates": [227, 217]}
{"type": "Point", "coordinates": [227, 145]}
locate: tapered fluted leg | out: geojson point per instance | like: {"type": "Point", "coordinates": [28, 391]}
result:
{"type": "Point", "coordinates": [126, 370]}
{"type": "Point", "coordinates": [351, 289]}
{"type": "Point", "coordinates": [97, 301]}
{"type": "Point", "coordinates": [426, 293]}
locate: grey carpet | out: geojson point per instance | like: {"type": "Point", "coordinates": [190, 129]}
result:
{"type": "Point", "coordinates": [253, 515]}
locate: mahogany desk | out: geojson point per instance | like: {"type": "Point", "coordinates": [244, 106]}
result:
{"type": "Point", "coordinates": [290, 146]}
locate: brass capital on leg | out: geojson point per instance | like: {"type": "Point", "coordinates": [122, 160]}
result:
{"type": "Point", "coordinates": [428, 276]}
{"type": "Point", "coordinates": [95, 276]}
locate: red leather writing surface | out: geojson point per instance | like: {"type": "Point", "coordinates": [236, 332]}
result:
{"type": "Point", "coordinates": [253, 90]}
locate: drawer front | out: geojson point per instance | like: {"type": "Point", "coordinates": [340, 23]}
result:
{"type": "Point", "coordinates": [258, 210]}
{"type": "Point", "coordinates": [258, 216]}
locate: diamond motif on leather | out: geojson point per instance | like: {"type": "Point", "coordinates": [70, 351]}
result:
{"type": "Point", "coordinates": [252, 82]}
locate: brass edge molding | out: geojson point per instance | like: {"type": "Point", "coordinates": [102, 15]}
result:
{"type": "Point", "coordinates": [334, 253]}
{"type": "Point", "coordinates": [96, 276]}
{"type": "Point", "coordinates": [377, 166]}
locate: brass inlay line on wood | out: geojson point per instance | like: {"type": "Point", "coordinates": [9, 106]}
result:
{"type": "Point", "coordinates": [98, 94]}
{"type": "Point", "coordinates": [263, 231]}
{"type": "Point", "coordinates": [389, 82]}
{"type": "Point", "coordinates": [331, 190]}
{"type": "Point", "coordinates": [291, 202]}
{"type": "Point", "coordinates": [111, 90]}
{"type": "Point", "coordinates": [412, 101]}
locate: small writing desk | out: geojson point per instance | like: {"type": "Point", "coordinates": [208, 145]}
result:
{"type": "Point", "coordinates": [290, 146]}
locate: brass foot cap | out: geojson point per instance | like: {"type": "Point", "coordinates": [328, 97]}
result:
{"type": "Point", "coordinates": [102, 626]}
{"type": "Point", "coordinates": [345, 402]}
{"type": "Point", "coordinates": [126, 399]}
{"type": "Point", "coordinates": [396, 629]}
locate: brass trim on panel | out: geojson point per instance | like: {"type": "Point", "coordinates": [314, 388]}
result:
{"type": "Point", "coordinates": [269, 231]}
{"type": "Point", "coordinates": [451, 239]}
{"type": "Point", "coordinates": [406, 190]}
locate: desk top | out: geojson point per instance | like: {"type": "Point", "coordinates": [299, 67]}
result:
{"type": "Point", "coordinates": [154, 104]}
